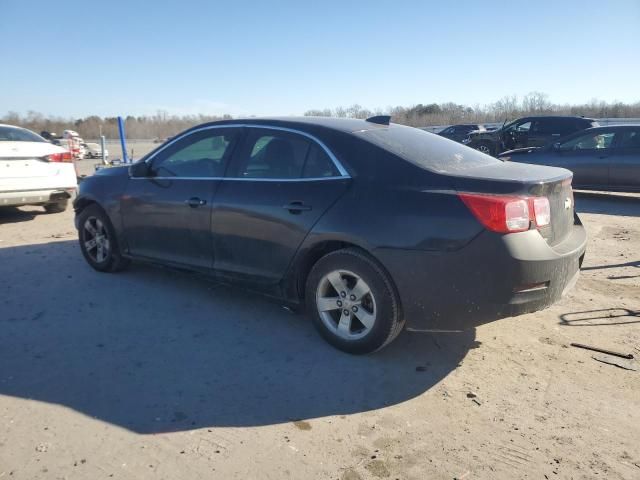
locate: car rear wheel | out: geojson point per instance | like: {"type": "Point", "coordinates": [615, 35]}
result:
{"type": "Point", "coordinates": [98, 241]}
{"type": "Point", "coordinates": [353, 303]}
{"type": "Point", "coordinates": [57, 207]}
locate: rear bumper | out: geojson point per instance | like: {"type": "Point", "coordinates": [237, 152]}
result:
{"type": "Point", "coordinates": [494, 276]}
{"type": "Point", "coordinates": [35, 197]}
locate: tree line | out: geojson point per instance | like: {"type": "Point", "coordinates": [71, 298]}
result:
{"type": "Point", "coordinates": [161, 125]}
{"type": "Point", "coordinates": [507, 108]}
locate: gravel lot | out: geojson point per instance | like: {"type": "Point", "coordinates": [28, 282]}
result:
{"type": "Point", "coordinates": [155, 374]}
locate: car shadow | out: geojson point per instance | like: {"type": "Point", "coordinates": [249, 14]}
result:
{"type": "Point", "coordinates": [607, 203]}
{"type": "Point", "coordinates": [616, 265]}
{"type": "Point", "coordinates": [602, 317]}
{"type": "Point", "coordinates": [16, 215]}
{"type": "Point", "coordinates": [152, 350]}
{"type": "Point", "coordinates": [635, 263]}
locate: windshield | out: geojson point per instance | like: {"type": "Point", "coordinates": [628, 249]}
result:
{"type": "Point", "coordinates": [426, 150]}
{"type": "Point", "coordinates": [16, 134]}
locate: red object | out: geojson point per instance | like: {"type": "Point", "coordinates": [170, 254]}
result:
{"type": "Point", "coordinates": [506, 213]}
{"type": "Point", "coordinates": [64, 157]}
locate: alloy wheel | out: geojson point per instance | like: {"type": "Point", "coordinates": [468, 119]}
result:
{"type": "Point", "coordinates": [346, 304]}
{"type": "Point", "coordinates": [96, 239]}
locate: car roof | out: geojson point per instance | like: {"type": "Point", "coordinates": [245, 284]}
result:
{"type": "Point", "coordinates": [547, 117]}
{"type": "Point", "coordinates": [348, 125]}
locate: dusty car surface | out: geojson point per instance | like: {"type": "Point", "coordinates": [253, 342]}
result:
{"type": "Point", "coordinates": [601, 158]}
{"type": "Point", "coordinates": [373, 226]}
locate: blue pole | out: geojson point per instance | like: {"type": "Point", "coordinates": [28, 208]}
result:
{"type": "Point", "coordinates": [123, 140]}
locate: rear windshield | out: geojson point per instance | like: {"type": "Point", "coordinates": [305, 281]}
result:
{"type": "Point", "coordinates": [14, 134]}
{"type": "Point", "coordinates": [426, 150]}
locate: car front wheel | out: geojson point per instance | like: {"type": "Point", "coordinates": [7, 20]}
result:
{"type": "Point", "coordinates": [353, 302]}
{"type": "Point", "coordinates": [485, 148]}
{"type": "Point", "coordinates": [98, 241]}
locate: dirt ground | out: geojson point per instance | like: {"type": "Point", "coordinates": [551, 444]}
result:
{"type": "Point", "coordinates": [155, 374]}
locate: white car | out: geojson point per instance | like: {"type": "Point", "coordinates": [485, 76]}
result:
{"type": "Point", "coordinates": [95, 151]}
{"type": "Point", "coordinates": [34, 171]}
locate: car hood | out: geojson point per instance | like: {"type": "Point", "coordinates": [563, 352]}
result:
{"type": "Point", "coordinates": [28, 149]}
{"type": "Point", "coordinates": [121, 171]}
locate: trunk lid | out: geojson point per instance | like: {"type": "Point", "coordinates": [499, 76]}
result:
{"type": "Point", "coordinates": [521, 179]}
{"type": "Point", "coordinates": [23, 167]}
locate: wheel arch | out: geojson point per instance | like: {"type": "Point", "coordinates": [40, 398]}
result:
{"type": "Point", "coordinates": [81, 203]}
{"type": "Point", "coordinates": [308, 256]}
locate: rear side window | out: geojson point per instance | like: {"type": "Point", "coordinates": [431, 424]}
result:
{"type": "Point", "coordinates": [426, 150]}
{"type": "Point", "coordinates": [630, 139]}
{"type": "Point", "coordinates": [272, 154]}
{"type": "Point", "coordinates": [318, 164]}
{"type": "Point", "coordinates": [590, 141]}
{"type": "Point", "coordinates": [14, 134]}
{"type": "Point", "coordinates": [555, 126]}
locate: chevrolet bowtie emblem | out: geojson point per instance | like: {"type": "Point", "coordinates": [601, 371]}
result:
{"type": "Point", "coordinates": [567, 203]}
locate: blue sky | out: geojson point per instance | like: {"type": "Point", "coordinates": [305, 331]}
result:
{"type": "Point", "coordinates": [76, 58]}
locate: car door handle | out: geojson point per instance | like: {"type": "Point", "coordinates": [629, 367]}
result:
{"type": "Point", "coordinates": [195, 202]}
{"type": "Point", "coordinates": [297, 207]}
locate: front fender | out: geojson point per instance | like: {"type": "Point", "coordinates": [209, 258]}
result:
{"type": "Point", "coordinates": [105, 191]}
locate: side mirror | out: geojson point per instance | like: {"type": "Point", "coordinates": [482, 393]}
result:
{"type": "Point", "coordinates": [139, 170]}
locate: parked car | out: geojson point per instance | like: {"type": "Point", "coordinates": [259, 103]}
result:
{"type": "Point", "coordinates": [601, 158]}
{"type": "Point", "coordinates": [72, 142]}
{"type": "Point", "coordinates": [527, 132]}
{"type": "Point", "coordinates": [33, 171]}
{"type": "Point", "coordinates": [373, 226]}
{"type": "Point", "coordinates": [94, 150]}
{"type": "Point", "coordinates": [460, 132]}
{"type": "Point", "coordinates": [82, 150]}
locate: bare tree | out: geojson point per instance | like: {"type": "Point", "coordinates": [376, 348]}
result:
{"type": "Point", "coordinates": [162, 125]}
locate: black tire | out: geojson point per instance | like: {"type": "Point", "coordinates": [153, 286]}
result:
{"type": "Point", "coordinates": [113, 260]}
{"type": "Point", "coordinates": [57, 207]}
{"type": "Point", "coordinates": [389, 321]}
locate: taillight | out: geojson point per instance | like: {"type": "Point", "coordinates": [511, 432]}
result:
{"type": "Point", "coordinates": [508, 214]}
{"type": "Point", "coordinates": [542, 211]}
{"type": "Point", "coordinates": [516, 214]}
{"type": "Point", "coordinates": [60, 157]}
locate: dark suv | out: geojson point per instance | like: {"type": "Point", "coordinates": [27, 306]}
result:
{"type": "Point", "coordinates": [527, 132]}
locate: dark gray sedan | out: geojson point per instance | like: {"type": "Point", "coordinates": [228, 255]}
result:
{"type": "Point", "coordinates": [370, 225]}
{"type": "Point", "coordinates": [601, 158]}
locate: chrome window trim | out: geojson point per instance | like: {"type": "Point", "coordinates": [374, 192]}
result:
{"type": "Point", "coordinates": [343, 172]}
{"type": "Point", "coordinates": [248, 179]}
